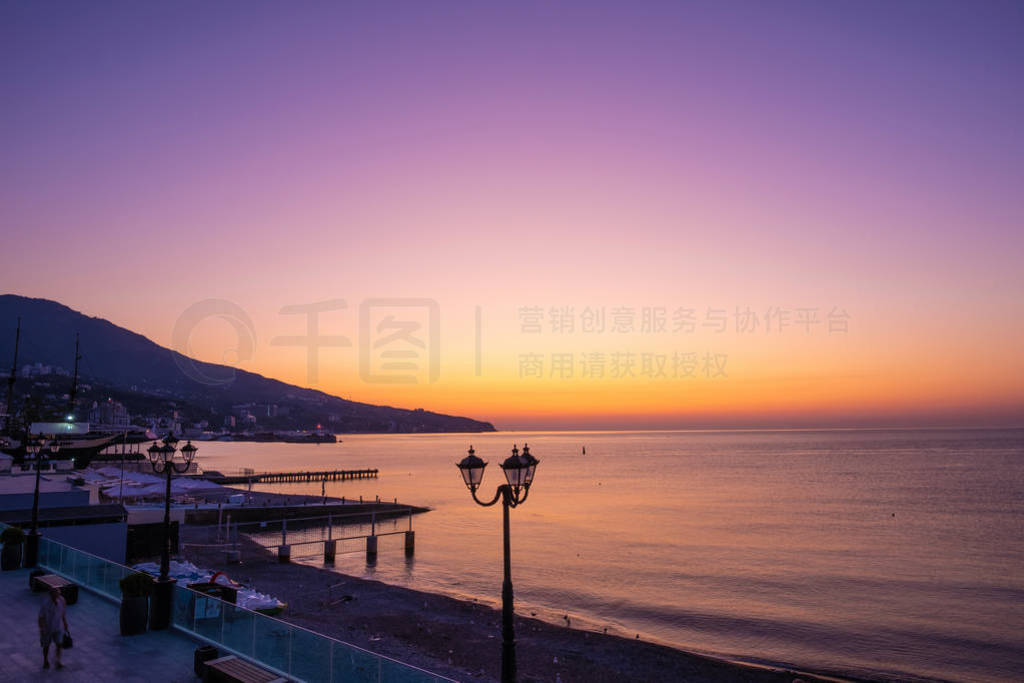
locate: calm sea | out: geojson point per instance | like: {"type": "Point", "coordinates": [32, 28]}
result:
{"type": "Point", "coordinates": [897, 553]}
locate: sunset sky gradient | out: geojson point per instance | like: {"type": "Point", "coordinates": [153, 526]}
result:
{"type": "Point", "coordinates": [863, 156]}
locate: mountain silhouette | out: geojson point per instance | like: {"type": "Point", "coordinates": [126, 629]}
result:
{"type": "Point", "coordinates": [134, 365]}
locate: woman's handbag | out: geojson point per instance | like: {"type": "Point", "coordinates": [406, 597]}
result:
{"type": "Point", "coordinates": [67, 643]}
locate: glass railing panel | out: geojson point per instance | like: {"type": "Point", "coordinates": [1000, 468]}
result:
{"type": "Point", "coordinates": [273, 643]}
{"type": "Point", "coordinates": [53, 557]}
{"type": "Point", "coordinates": [182, 611]}
{"type": "Point", "coordinates": [47, 550]}
{"type": "Point", "coordinates": [397, 672]}
{"type": "Point", "coordinates": [112, 580]}
{"type": "Point", "coordinates": [311, 656]}
{"type": "Point", "coordinates": [240, 630]}
{"type": "Point", "coordinates": [355, 665]}
{"type": "Point", "coordinates": [208, 617]}
{"type": "Point", "coordinates": [65, 561]}
{"type": "Point", "coordinates": [87, 570]}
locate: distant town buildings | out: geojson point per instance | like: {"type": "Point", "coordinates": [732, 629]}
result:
{"type": "Point", "coordinates": [41, 369]}
{"type": "Point", "coordinates": [252, 413]}
{"type": "Point", "coordinates": [109, 412]}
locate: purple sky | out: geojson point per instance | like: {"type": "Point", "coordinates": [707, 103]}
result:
{"type": "Point", "coordinates": [860, 154]}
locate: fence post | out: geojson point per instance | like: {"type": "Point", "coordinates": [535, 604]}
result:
{"type": "Point", "coordinates": [371, 540]}
{"type": "Point", "coordinates": [284, 551]}
{"type": "Point", "coordinates": [371, 549]}
{"type": "Point", "coordinates": [234, 554]}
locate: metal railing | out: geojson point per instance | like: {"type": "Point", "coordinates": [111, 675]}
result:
{"type": "Point", "coordinates": [310, 530]}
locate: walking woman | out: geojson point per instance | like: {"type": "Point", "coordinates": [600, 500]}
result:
{"type": "Point", "coordinates": [53, 625]}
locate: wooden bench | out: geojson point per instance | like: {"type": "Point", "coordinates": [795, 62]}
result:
{"type": "Point", "coordinates": [47, 581]}
{"type": "Point", "coordinates": [231, 668]}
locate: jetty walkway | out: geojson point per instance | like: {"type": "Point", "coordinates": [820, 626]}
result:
{"type": "Point", "coordinates": [289, 477]}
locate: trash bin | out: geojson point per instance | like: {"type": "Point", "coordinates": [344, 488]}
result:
{"type": "Point", "coordinates": [204, 653]}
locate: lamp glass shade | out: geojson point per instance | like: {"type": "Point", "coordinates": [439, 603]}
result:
{"type": "Point", "coordinates": [531, 465]}
{"type": "Point", "coordinates": [155, 453]}
{"type": "Point", "coordinates": [188, 451]}
{"type": "Point", "coordinates": [515, 470]}
{"type": "Point", "coordinates": [33, 446]}
{"type": "Point", "coordinates": [54, 447]}
{"type": "Point", "coordinates": [472, 469]}
{"type": "Point", "coordinates": [171, 441]}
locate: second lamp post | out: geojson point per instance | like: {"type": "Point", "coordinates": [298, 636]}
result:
{"type": "Point", "coordinates": [518, 469]}
{"type": "Point", "coordinates": [35, 448]}
{"type": "Point", "coordinates": [162, 460]}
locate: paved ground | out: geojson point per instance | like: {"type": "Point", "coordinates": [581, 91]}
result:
{"type": "Point", "coordinates": [100, 653]}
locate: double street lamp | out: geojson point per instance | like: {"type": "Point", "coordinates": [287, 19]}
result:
{"type": "Point", "coordinates": [519, 469]}
{"type": "Point", "coordinates": [162, 460]}
{"type": "Point", "coordinates": [35, 448]}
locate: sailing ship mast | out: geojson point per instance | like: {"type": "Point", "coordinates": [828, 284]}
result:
{"type": "Point", "coordinates": [74, 381]}
{"type": "Point", "coordinates": [11, 379]}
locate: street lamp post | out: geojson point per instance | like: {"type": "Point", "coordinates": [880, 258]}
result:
{"type": "Point", "coordinates": [518, 469]}
{"type": "Point", "coordinates": [162, 460]}
{"type": "Point", "coordinates": [35, 448]}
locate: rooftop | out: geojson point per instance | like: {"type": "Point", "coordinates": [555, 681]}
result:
{"type": "Point", "coordinates": [76, 514]}
{"type": "Point", "coordinates": [100, 651]}
{"type": "Point", "coordinates": [26, 483]}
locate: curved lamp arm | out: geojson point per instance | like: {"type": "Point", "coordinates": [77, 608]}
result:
{"type": "Point", "coordinates": [184, 467]}
{"type": "Point", "coordinates": [497, 495]}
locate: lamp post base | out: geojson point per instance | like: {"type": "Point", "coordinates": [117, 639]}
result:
{"type": "Point", "coordinates": [160, 604]}
{"type": "Point", "coordinates": [32, 548]}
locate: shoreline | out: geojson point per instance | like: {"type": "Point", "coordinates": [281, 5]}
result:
{"type": "Point", "coordinates": [461, 639]}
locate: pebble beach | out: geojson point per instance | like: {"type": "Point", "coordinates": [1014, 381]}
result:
{"type": "Point", "coordinates": [458, 638]}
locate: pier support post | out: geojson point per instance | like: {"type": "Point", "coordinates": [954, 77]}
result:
{"type": "Point", "coordinates": [371, 549]}
{"type": "Point", "coordinates": [330, 547]}
{"type": "Point", "coordinates": [284, 553]}
{"type": "Point", "coordinates": [410, 543]}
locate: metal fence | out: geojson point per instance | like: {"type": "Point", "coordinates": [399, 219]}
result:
{"type": "Point", "coordinates": [313, 530]}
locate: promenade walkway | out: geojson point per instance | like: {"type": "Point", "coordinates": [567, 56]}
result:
{"type": "Point", "coordinates": [100, 653]}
